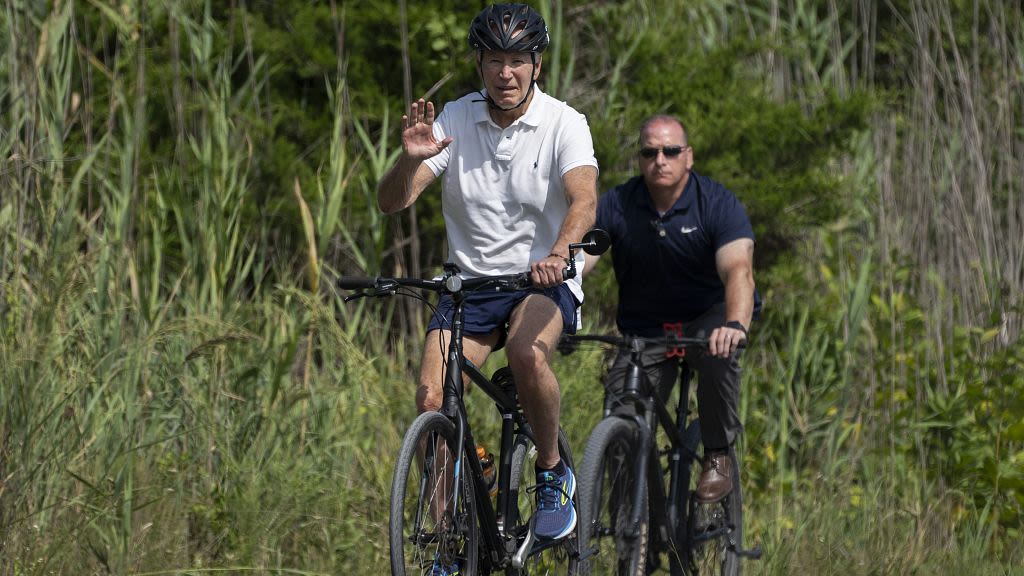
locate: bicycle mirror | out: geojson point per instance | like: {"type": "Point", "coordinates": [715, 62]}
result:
{"type": "Point", "coordinates": [595, 242]}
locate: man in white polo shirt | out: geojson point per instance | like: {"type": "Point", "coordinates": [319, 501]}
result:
{"type": "Point", "coordinates": [519, 184]}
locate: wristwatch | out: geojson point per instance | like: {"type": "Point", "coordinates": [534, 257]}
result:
{"type": "Point", "coordinates": [736, 324]}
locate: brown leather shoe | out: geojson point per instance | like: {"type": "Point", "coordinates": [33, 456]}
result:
{"type": "Point", "coordinates": [716, 478]}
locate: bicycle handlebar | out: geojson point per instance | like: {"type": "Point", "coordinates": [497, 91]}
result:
{"type": "Point", "coordinates": [627, 340]}
{"type": "Point", "coordinates": [383, 286]}
{"type": "Point", "coordinates": [568, 343]}
{"type": "Point", "coordinates": [594, 242]}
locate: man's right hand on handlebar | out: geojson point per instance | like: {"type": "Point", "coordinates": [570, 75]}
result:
{"type": "Point", "coordinates": [725, 340]}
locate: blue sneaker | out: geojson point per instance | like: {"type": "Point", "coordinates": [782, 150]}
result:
{"type": "Point", "coordinates": [555, 516]}
{"type": "Point", "coordinates": [440, 569]}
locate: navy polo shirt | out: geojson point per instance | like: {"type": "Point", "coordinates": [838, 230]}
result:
{"type": "Point", "coordinates": [665, 264]}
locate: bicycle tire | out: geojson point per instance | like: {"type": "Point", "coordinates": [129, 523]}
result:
{"type": "Point", "coordinates": [564, 557]}
{"type": "Point", "coordinates": [419, 529]}
{"type": "Point", "coordinates": [609, 490]}
{"type": "Point", "coordinates": [689, 474]}
{"type": "Point", "coordinates": [716, 555]}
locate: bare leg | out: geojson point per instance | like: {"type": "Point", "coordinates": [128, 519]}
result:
{"type": "Point", "coordinates": [534, 328]}
{"type": "Point", "coordinates": [429, 393]}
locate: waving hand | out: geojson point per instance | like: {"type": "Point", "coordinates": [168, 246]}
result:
{"type": "Point", "coordinates": [418, 132]}
{"type": "Point", "coordinates": [404, 182]}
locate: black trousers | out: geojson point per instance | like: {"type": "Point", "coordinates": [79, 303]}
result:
{"type": "Point", "coordinates": [718, 380]}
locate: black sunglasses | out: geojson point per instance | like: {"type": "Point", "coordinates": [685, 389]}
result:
{"type": "Point", "coordinates": [668, 151]}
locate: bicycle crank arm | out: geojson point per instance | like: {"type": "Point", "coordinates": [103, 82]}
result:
{"type": "Point", "coordinates": [532, 545]}
{"type": "Point", "coordinates": [584, 554]}
{"type": "Point", "coordinates": [712, 534]}
{"type": "Point", "coordinates": [519, 558]}
{"type": "Point", "coordinates": [752, 553]}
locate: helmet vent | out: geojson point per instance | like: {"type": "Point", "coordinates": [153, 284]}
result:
{"type": "Point", "coordinates": [508, 28]}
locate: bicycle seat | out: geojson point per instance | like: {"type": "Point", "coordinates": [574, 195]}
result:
{"type": "Point", "coordinates": [502, 378]}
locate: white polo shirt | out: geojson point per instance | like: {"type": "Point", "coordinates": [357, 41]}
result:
{"type": "Point", "coordinates": [502, 194]}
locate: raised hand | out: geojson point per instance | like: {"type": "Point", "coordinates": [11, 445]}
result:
{"type": "Point", "coordinates": [418, 132]}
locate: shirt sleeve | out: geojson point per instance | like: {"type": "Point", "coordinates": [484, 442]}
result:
{"type": "Point", "coordinates": [575, 144]}
{"type": "Point", "coordinates": [603, 220]}
{"type": "Point", "coordinates": [731, 221]}
{"type": "Point", "coordinates": [609, 215]}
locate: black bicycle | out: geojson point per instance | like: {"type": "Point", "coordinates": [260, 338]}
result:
{"type": "Point", "coordinates": [638, 500]}
{"type": "Point", "coordinates": [441, 508]}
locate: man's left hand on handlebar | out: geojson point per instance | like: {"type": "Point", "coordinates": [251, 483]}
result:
{"type": "Point", "coordinates": [725, 340]}
{"type": "Point", "coordinates": [548, 272]}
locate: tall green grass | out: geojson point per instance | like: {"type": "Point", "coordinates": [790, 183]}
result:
{"type": "Point", "coordinates": [891, 399]}
{"type": "Point", "coordinates": [159, 410]}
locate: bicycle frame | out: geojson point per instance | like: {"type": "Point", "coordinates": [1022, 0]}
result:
{"type": "Point", "coordinates": [498, 541]}
{"type": "Point", "coordinates": [454, 408]}
{"type": "Point", "coordinates": [652, 411]}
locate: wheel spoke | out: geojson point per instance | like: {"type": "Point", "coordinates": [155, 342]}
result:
{"type": "Point", "coordinates": [432, 519]}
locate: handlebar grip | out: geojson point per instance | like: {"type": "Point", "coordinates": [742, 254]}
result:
{"type": "Point", "coordinates": [528, 277]}
{"type": "Point", "coordinates": [356, 282]}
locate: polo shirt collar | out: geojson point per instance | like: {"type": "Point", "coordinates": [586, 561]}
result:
{"type": "Point", "coordinates": [534, 114]}
{"type": "Point", "coordinates": [682, 204]}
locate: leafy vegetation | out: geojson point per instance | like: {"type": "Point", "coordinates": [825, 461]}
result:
{"type": "Point", "coordinates": [182, 390]}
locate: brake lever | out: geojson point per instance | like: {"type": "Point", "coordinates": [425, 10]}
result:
{"type": "Point", "coordinates": [380, 290]}
{"type": "Point", "coordinates": [375, 294]}
{"type": "Point", "coordinates": [355, 296]}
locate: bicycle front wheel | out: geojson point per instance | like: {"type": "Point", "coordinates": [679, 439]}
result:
{"type": "Point", "coordinates": [715, 531]}
{"type": "Point", "coordinates": [433, 508]}
{"type": "Point", "coordinates": [613, 542]}
{"type": "Point", "coordinates": [562, 557]}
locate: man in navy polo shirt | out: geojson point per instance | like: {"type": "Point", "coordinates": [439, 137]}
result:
{"type": "Point", "coordinates": [683, 252]}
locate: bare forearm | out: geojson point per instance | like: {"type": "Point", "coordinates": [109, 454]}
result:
{"type": "Point", "coordinates": [581, 187]}
{"type": "Point", "coordinates": [397, 190]}
{"type": "Point", "coordinates": [735, 263]}
{"type": "Point", "coordinates": [578, 221]}
{"type": "Point", "coordinates": [739, 296]}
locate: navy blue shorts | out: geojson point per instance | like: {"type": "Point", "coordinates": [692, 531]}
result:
{"type": "Point", "coordinates": [487, 311]}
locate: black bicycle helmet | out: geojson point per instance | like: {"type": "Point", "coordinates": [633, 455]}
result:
{"type": "Point", "coordinates": [508, 28]}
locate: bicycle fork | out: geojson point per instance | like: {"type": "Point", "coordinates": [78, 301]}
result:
{"type": "Point", "coordinates": [645, 431]}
